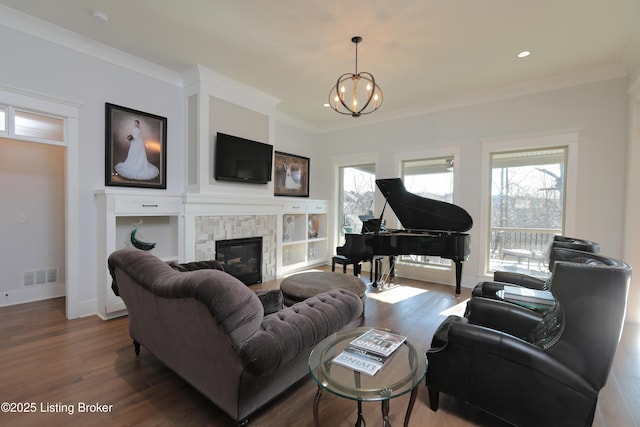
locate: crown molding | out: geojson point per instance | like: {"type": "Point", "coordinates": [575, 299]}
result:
{"type": "Point", "coordinates": [35, 27]}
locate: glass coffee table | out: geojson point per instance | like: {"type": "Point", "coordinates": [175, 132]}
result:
{"type": "Point", "coordinates": [401, 374]}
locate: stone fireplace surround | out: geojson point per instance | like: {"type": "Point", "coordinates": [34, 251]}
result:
{"type": "Point", "coordinates": [211, 217]}
{"type": "Point", "coordinates": [209, 229]}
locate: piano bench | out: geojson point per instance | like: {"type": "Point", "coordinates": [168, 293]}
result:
{"type": "Point", "coordinates": [344, 262]}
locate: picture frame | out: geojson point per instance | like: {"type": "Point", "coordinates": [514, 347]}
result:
{"type": "Point", "coordinates": [135, 148]}
{"type": "Point", "coordinates": [291, 175]}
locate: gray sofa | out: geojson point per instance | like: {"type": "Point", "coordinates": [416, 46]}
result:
{"type": "Point", "coordinates": [211, 329]}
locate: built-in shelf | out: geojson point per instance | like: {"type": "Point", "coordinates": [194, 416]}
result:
{"type": "Point", "coordinates": [304, 235]}
{"type": "Point", "coordinates": [157, 219]}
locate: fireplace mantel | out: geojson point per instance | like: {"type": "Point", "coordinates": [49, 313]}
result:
{"type": "Point", "coordinates": [205, 204]}
{"type": "Point", "coordinates": [211, 217]}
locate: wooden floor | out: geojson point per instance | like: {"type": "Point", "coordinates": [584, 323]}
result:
{"type": "Point", "coordinates": [54, 366]}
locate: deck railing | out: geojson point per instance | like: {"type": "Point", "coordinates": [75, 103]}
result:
{"type": "Point", "coordinates": [525, 250]}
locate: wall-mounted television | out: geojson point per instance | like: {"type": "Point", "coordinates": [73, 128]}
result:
{"type": "Point", "coordinates": [242, 160]}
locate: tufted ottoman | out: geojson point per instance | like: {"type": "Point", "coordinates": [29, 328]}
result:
{"type": "Point", "coordinates": [299, 287]}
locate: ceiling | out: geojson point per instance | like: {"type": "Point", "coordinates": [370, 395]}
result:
{"type": "Point", "coordinates": [420, 51]}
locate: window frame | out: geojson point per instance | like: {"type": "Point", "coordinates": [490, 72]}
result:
{"type": "Point", "coordinates": [431, 273]}
{"type": "Point", "coordinates": [568, 138]}
{"type": "Point", "coordinates": [11, 114]}
{"type": "Point", "coordinates": [440, 263]}
{"type": "Point", "coordinates": [342, 162]}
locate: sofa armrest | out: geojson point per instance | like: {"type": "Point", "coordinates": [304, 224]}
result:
{"type": "Point", "coordinates": [297, 329]}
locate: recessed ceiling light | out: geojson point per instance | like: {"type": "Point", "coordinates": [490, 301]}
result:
{"type": "Point", "coordinates": [326, 105]}
{"type": "Point", "coordinates": [99, 16]}
{"type": "Point", "coordinates": [524, 54]}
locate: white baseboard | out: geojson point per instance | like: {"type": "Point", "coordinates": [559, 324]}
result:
{"type": "Point", "coordinates": [34, 293]}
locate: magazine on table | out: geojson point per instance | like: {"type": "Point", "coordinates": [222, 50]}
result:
{"type": "Point", "coordinates": [379, 342]}
{"type": "Point", "coordinates": [369, 352]}
{"type": "Point", "coordinates": [358, 363]}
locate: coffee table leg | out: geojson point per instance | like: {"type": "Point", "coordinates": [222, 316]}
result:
{"type": "Point", "coordinates": [412, 400]}
{"type": "Point", "coordinates": [360, 422]}
{"type": "Point", "coordinates": [316, 402]}
{"type": "Point", "coordinates": [385, 413]}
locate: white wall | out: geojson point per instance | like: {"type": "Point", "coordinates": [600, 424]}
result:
{"type": "Point", "coordinates": [632, 226]}
{"type": "Point", "coordinates": [597, 110]}
{"type": "Point", "coordinates": [31, 177]}
{"type": "Point", "coordinates": [51, 71]}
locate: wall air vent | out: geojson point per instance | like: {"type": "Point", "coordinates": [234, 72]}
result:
{"type": "Point", "coordinates": [52, 275]}
{"type": "Point", "coordinates": [29, 278]}
{"type": "Point", "coordinates": [43, 276]}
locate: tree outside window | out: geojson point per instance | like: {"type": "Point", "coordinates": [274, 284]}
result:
{"type": "Point", "coordinates": [430, 178]}
{"type": "Point", "coordinates": [357, 194]}
{"type": "Point", "coordinates": [527, 208]}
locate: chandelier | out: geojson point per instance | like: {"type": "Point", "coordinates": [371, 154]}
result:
{"type": "Point", "coordinates": [355, 94]}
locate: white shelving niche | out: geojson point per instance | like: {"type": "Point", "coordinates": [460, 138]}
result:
{"type": "Point", "coordinates": [304, 235]}
{"type": "Point", "coordinates": [158, 219]}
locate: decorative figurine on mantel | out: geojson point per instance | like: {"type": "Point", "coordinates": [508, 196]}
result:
{"type": "Point", "coordinates": [289, 228]}
{"type": "Point", "coordinates": [135, 240]}
{"type": "Point", "coordinates": [313, 227]}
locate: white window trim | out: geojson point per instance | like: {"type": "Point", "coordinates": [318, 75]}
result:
{"type": "Point", "coordinates": [445, 151]}
{"type": "Point", "coordinates": [569, 138]}
{"type": "Point", "coordinates": [10, 126]}
{"type": "Point", "coordinates": [438, 274]}
{"type": "Point", "coordinates": [347, 161]}
{"type": "Point", "coordinates": [75, 307]}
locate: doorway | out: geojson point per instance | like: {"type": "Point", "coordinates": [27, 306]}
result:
{"type": "Point", "coordinates": [28, 119]}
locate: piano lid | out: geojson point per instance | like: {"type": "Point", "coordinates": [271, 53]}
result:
{"type": "Point", "coordinates": [421, 213]}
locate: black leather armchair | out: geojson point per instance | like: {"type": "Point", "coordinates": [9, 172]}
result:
{"type": "Point", "coordinates": [488, 289]}
{"type": "Point", "coordinates": [550, 375]}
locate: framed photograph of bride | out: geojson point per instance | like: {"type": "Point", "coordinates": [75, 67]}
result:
{"type": "Point", "coordinates": [135, 148]}
{"type": "Point", "coordinates": [291, 175]}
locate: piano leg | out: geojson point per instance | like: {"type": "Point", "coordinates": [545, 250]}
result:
{"type": "Point", "coordinates": [381, 272]}
{"type": "Point", "coordinates": [377, 263]}
{"type": "Point", "coordinates": [458, 276]}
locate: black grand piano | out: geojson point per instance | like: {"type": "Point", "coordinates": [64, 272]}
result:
{"type": "Point", "coordinates": [431, 227]}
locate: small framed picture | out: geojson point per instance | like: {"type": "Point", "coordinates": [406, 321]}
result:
{"type": "Point", "coordinates": [135, 148]}
{"type": "Point", "coordinates": [291, 175]}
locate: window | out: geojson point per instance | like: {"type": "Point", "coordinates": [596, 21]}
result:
{"type": "Point", "coordinates": [29, 126]}
{"type": "Point", "coordinates": [37, 126]}
{"type": "Point", "coordinates": [527, 208]}
{"type": "Point", "coordinates": [3, 119]}
{"type": "Point", "coordinates": [356, 197]}
{"type": "Point", "coordinates": [431, 178]}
